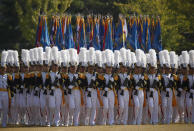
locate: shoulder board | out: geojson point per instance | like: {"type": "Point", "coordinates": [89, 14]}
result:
{"type": "Point", "coordinates": [39, 74]}
{"type": "Point", "coordinates": [47, 76]}
{"type": "Point", "coordinates": [145, 76]}
{"type": "Point", "coordinates": [82, 76]}
{"type": "Point", "coordinates": [9, 77]}
{"type": "Point", "coordinates": [159, 77]}
{"type": "Point", "coordinates": [131, 76]}
{"type": "Point", "coordinates": [116, 77]}
{"type": "Point", "coordinates": [17, 76]}
{"type": "Point", "coordinates": [32, 74]}
{"type": "Point", "coordinates": [101, 77]}
{"type": "Point", "coordinates": [184, 78]}
{"type": "Point", "coordinates": [175, 77]}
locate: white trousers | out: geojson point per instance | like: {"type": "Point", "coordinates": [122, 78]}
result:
{"type": "Point", "coordinates": [4, 103]}
{"type": "Point", "coordinates": [153, 107]}
{"type": "Point", "coordinates": [123, 106]}
{"type": "Point", "coordinates": [91, 105]}
{"type": "Point", "coordinates": [108, 107]}
{"type": "Point", "coordinates": [74, 107]}
{"type": "Point", "coordinates": [181, 105]}
{"type": "Point", "coordinates": [138, 110]}
{"type": "Point", "coordinates": [167, 106]}
{"type": "Point", "coordinates": [188, 106]}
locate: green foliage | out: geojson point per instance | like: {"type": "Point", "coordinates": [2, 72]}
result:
{"type": "Point", "coordinates": [19, 18]}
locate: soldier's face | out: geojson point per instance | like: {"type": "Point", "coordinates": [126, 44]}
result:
{"type": "Point", "coordinates": [122, 69]}
{"type": "Point", "coordinates": [64, 69]}
{"type": "Point", "coordinates": [2, 70]}
{"type": "Point", "coordinates": [152, 70]}
{"type": "Point", "coordinates": [90, 69]}
{"type": "Point", "coordinates": [108, 70]}
{"type": "Point", "coordinates": [99, 70]}
{"type": "Point", "coordinates": [81, 69]}
{"type": "Point", "coordinates": [72, 69]}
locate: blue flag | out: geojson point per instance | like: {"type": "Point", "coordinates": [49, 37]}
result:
{"type": "Point", "coordinates": [108, 40]}
{"type": "Point", "coordinates": [157, 37]}
{"type": "Point", "coordinates": [96, 37]}
{"type": "Point", "coordinates": [44, 35]}
{"type": "Point", "coordinates": [59, 37]}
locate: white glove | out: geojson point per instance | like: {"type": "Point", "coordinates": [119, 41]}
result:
{"type": "Point", "coordinates": [70, 87]}
{"type": "Point", "coordinates": [156, 79]}
{"type": "Point", "coordinates": [192, 91]}
{"type": "Point", "coordinates": [122, 87]}
{"type": "Point", "coordinates": [180, 89]}
{"type": "Point", "coordinates": [137, 87]}
{"type": "Point", "coordinates": [89, 89]}
{"type": "Point", "coordinates": [52, 87]}
{"type": "Point", "coordinates": [93, 78]}
{"type": "Point", "coordinates": [111, 79]}
{"type": "Point", "coordinates": [106, 88]}
{"type": "Point", "coordinates": [168, 89]}
{"type": "Point", "coordinates": [151, 89]}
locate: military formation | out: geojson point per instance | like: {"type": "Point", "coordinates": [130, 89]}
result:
{"type": "Point", "coordinates": [48, 87]}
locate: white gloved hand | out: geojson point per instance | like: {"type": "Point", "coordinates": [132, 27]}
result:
{"type": "Point", "coordinates": [180, 89]}
{"type": "Point", "coordinates": [122, 87]}
{"type": "Point", "coordinates": [89, 89]}
{"type": "Point", "coordinates": [137, 87]}
{"type": "Point", "coordinates": [111, 79]}
{"type": "Point", "coordinates": [106, 89]}
{"type": "Point", "coordinates": [192, 91]}
{"type": "Point", "coordinates": [70, 87]}
{"type": "Point", "coordinates": [168, 89]}
{"type": "Point", "coordinates": [151, 89]}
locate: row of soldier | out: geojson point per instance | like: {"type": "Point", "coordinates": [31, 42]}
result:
{"type": "Point", "coordinates": [56, 88]}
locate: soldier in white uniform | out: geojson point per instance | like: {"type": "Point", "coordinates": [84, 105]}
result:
{"type": "Point", "coordinates": [108, 94]}
{"type": "Point", "coordinates": [191, 82]}
{"type": "Point", "coordinates": [4, 98]}
{"type": "Point", "coordinates": [64, 82]}
{"type": "Point", "coordinates": [73, 90]}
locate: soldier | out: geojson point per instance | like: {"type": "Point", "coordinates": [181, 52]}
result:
{"type": "Point", "coordinates": [4, 98]}
{"type": "Point", "coordinates": [153, 85]}
{"type": "Point", "coordinates": [99, 84]}
{"type": "Point", "coordinates": [91, 93]}
{"type": "Point", "coordinates": [138, 84]}
{"type": "Point", "coordinates": [55, 94]}
{"type": "Point", "coordinates": [64, 82]}
{"type": "Point", "coordinates": [123, 86]}
{"type": "Point", "coordinates": [73, 90]}
{"type": "Point", "coordinates": [82, 82]}
{"type": "Point", "coordinates": [191, 82]}
{"type": "Point", "coordinates": [108, 93]}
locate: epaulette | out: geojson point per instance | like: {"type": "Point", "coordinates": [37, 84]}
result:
{"type": "Point", "coordinates": [184, 78]}
{"type": "Point", "coordinates": [26, 75]}
{"type": "Point", "coordinates": [145, 76]}
{"type": "Point", "coordinates": [9, 77]}
{"type": "Point", "coordinates": [17, 76]}
{"type": "Point", "coordinates": [47, 75]}
{"type": "Point", "coordinates": [100, 76]}
{"type": "Point", "coordinates": [116, 77]}
{"type": "Point", "coordinates": [64, 76]}
{"type": "Point", "coordinates": [175, 77]}
{"type": "Point", "coordinates": [39, 74]}
{"type": "Point", "coordinates": [159, 77]}
{"type": "Point", "coordinates": [82, 76]}
{"type": "Point", "coordinates": [131, 76]}
{"type": "Point", "coordinates": [32, 74]}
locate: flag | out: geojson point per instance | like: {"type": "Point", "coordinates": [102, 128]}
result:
{"type": "Point", "coordinates": [101, 32]}
{"type": "Point", "coordinates": [38, 31]}
{"type": "Point", "coordinates": [157, 37]}
{"type": "Point", "coordinates": [148, 36]}
{"type": "Point", "coordinates": [69, 41]}
{"type": "Point", "coordinates": [119, 36]}
{"type": "Point", "coordinates": [59, 37]}
{"type": "Point", "coordinates": [44, 40]}
{"type": "Point", "coordinates": [96, 37]}
{"type": "Point", "coordinates": [108, 37]}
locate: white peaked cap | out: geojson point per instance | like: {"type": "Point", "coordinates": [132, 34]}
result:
{"type": "Point", "coordinates": [179, 60]}
{"type": "Point", "coordinates": [173, 59]}
{"type": "Point", "coordinates": [133, 59]}
{"type": "Point", "coordinates": [65, 57]}
{"type": "Point", "coordinates": [103, 58]}
{"type": "Point", "coordinates": [31, 53]}
{"type": "Point", "coordinates": [117, 58]}
{"type": "Point", "coordinates": [153, 58]}
{"type": "Point", "coordinates": [91, 60]}
{"type": "Point", "coordinates": [143, 59]}
{"type": "Point", "coordinates": [4, 58]}
{"type": "Point", "coordinates": [138, 54]}
{"type": "Point", "coordinates": [59, 58]}
{"type": "Point", "coordinates": [128, 55]}
{"type": "Point", "coordinates": [99, 58]}
{"type": "Point", "coordinates": [83, 57]}
{"type": "Point", "coordinates": [47, 55]}
{"type": "Point", "coordinates": [167, 58]}
{"type": "Point", "coordinates": [185, 58]}
{"type": "Point", "coordinates": [148, 58]}
{"type": "Point", "coordinates": [113, 59]}
{"type": "Point", "coordinates": [25, 57]}
{"type": "Point", "coordinates": [55, 55]}
{"type": "Point", "coordinates": [16, 58]}
{"type": "Point", "coordinates": [36, 55]}
{"type": "Point", "coordinates": [109, 55]}
{"type": "Point", "coordinates": [40, 55]}
{"type": "Point", "coordinates": [10, 58]}
{"type": "Point", "coordinates": [73, 57]}
{"type": "Point", "coordinates": [123, 55]}
{"type": "Point", "coordinates": [191, 58]}
{"type": "Point", "coordinates": [161, 58]}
